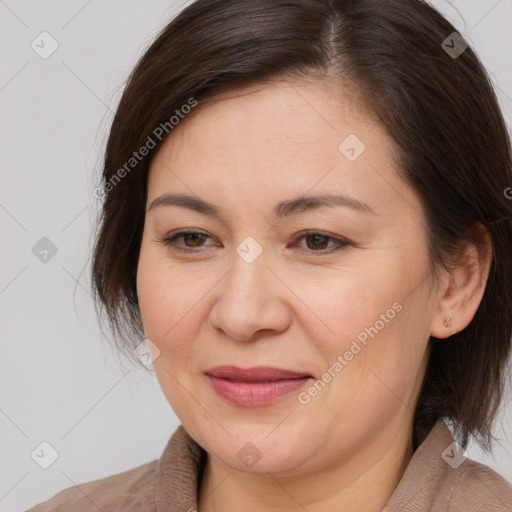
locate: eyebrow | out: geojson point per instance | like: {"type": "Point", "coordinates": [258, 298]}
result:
{"type": "Point", "coordinates": [280, 210]}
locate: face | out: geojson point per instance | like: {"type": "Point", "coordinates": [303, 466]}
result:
{"type": "Point", "coordinates": [336, 292]}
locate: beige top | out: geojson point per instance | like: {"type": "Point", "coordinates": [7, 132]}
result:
{"type": "Point", "coordinates": [437, 479]}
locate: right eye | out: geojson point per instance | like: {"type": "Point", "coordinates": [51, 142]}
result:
{"type": "Point", "coordinates": [191, 238]}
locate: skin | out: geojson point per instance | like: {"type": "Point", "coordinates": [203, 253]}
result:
{"type": "Point", "coordinates": [296, 306]}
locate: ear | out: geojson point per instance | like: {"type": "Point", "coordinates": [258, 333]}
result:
{"type": "Point", "coordinates": [463, 289]}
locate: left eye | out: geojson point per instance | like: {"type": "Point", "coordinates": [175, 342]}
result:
{"type": "Point", "coordinates": [318, 239]}
{"type": "Point", "coordinates": [314, 240]}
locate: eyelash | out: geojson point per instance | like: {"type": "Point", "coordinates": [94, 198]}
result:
{"type": "Point", "coordinates": [169, 242]}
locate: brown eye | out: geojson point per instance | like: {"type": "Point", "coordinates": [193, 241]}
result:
{"type": "Point", "coordinates": [318, 243]}
{"type": "Point", "coordinates": [191, 239]}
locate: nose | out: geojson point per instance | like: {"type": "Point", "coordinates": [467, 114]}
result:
{"type": "Point", "coordinates": [251, 301]}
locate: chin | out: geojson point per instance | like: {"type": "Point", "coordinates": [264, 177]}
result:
{"type": "Point", "coordinates": [253, 461]}
{"type": "Point", "coordinates": [253, 450]}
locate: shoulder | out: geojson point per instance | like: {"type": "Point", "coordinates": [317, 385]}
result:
{"type": "Point", "coordinates": [477, 488]}
{"type": "Point", "coordinates": [440, 478]}
{"type": "Point", "coordinates": [462, 484]}
{"type": "Point", "coordinates": [127, 491]}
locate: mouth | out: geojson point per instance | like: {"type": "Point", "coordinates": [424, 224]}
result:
{"type": "Point", "coordinates": [254, 386]}
{"type": "Point", "coordinates": [255, 374]}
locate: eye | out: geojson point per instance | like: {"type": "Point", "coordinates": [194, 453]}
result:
{"type": "Point", "coordinates": [316, 242]}
{"type": "Point", "coordinates": [195, 238]}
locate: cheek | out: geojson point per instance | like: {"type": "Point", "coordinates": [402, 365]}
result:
{"type": "Point", "coordinates": [376, 321]}
{"type": "Point", "coordinates": [170, 306]}
{"type": "Point", "coordinates": [383, 358]}
{"type": "Point", "coordinates": [357, 302]}
{"type": "Point", "coordinates": [170, 321]}
{"type": "Point", "coordinates": [149, 293]}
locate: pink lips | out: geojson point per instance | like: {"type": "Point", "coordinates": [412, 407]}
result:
{"type": "Point", "coordinates": [254, 386]}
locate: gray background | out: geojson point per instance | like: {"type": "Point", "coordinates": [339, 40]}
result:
{"type": "Point", "coordinates": [59, 380]}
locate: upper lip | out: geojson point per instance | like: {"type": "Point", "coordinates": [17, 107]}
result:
{"type": "Point", "coordinates": [254, 374]}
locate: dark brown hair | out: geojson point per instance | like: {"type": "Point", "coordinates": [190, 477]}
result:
{"type": "Point", "coordinates": [439, 108]}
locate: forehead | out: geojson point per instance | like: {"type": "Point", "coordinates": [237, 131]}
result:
{"type": "Point", "coordinates": [275, 115]}
{"type": "Point", "coordinates": [284, 136]}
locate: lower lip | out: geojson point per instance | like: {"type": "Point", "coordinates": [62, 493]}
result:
{"type": "Point", "coordinates": [255, 393]}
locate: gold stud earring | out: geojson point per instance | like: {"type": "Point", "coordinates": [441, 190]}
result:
{"type": "Point", "coordinates": [447, 321]}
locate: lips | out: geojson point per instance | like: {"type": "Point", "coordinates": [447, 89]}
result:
{"type": "Point", "coordinates": [255, 374]}
{"type": "Point", "coordinates": [255, 386]}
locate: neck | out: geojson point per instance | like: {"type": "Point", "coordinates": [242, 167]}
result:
{"type": "Point", "coordinates": [364, 482]}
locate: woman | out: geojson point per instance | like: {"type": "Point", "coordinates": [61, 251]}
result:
{"type": "Point", "coordinates": [306, 220]}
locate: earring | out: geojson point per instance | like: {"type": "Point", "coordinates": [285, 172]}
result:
{"type": "Point", "coordinates": [447, 321]}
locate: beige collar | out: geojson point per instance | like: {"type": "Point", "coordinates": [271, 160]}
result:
{"type": "Point", "coordinates": [436, 479]}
